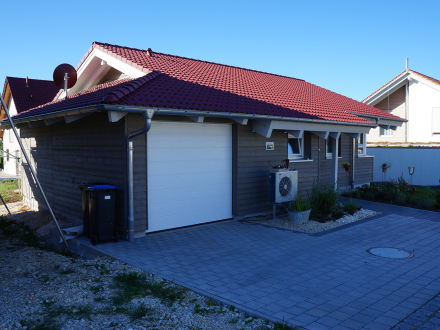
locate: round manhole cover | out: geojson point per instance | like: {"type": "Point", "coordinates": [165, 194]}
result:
{"type": "Point", "coordinates": [390, 253]}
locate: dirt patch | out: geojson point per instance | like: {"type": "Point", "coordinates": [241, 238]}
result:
{"type": "Point", "coordinates": [13, 198]}
{"type": "Point", "coordinates": [40, 221]}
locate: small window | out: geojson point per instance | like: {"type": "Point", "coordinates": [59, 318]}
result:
{"type": "Point", "coordinates": [386, 132]}
{"type": "Point", "coordinates": [329, 147]}
{"type": "Point", "coordinates": [7, 155]}
{"type": "Point", "coordinates": [295, 147]}
{"type": "Point", "coordinates": [435, 120]}
{"type": "Point", "coordinates": [362, 144]}
{"type": "Point", "coordinates": [11, 136]}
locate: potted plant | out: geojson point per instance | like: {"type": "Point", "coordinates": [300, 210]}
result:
{"type": "Point", "coordinates": [299, 211]}
{"type": "Point", "coordinates": [346, 166]}
{"type": "Point", "coordinates": [385, 166]}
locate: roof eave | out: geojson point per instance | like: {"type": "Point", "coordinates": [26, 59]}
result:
{"type": "Point", "coordinates": [175, 112]}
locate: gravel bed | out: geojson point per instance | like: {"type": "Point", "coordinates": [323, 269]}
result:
{"type": "Point", "coordinates": [34, 281]}
{"type": "Point", "coordinates": [312, 227]}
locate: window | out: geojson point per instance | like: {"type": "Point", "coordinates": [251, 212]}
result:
{"type": "Point", "coordinates": [362, 144]}
{"type": "Point", "coordinates": [7, 155]}
{"type": "Point", "coordinates": [386, 132]}
{"type": "Point", "coordinates": [11, 136]}
{"type": "Point", "coordinates": [329, 147]}
{"type": "Point", "coordinates": [295, 147]}
{"type": "Point", "coordinates": [435, 121]}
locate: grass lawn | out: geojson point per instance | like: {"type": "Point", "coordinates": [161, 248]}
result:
{"type": "Point", "coordinates": [7, 188]}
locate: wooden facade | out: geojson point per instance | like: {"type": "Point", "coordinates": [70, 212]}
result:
{"type": "Point", "coordinates": [94, 150]}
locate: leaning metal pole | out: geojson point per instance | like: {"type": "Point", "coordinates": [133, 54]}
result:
{"type": "Point", "coordinates": [32, 170]}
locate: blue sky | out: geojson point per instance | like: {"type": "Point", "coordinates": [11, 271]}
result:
{"type": "Point", "coordinates": [350, 47]}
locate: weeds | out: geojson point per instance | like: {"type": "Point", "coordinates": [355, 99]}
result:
{"type": "Point", "coordinates": [232, 308]}
{"type": "Point", "coordinates": [284, 326]}
{"type": "Point", "coordinates": [28, 237]}
{"type": "Point", "coordinates": [210, 302]}
{"type": "Point", "coordinates": [96, 288]}
{"type": "Point", "coordinates": [132, 285]}
{"type": "Point", "coordinates": [199, 310]}
{"type": "Point", "coordinates": [233, 321]}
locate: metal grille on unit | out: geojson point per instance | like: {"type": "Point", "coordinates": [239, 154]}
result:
{"type": "Point", "coordinates": [283, 186]}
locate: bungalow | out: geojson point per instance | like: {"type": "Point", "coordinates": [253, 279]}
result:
{"type": "Point", "coordinates": [196, 134]}
{"type": "Point", "coordinates": [21, 94]}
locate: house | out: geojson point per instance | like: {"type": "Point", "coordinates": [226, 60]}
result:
{"type": "Point", "coordinates": [415, 97]}
{"type": "Point", "coordinates": [412, 96]}
{"type": "Point", "coordinates": [21, 94]}
{"type": "Point", "coordinates": [196, 134]}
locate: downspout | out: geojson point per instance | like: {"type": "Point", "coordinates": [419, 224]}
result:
{"type": "Point", "coordinates": [352, 162]}
{"type": "Point", "coordinates": [148, 115]}
{"type": "Point", "coordinates": [406, 110]}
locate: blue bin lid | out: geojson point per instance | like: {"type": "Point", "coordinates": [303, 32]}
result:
{"type": "Point", "coordinates": [102, 187]}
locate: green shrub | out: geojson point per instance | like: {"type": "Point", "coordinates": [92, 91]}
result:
{"type": "Point", "coordinates": [299, 204]}
{"type": "Point", "coordinates": [370, 196]}
{"type": "Point", "coordinates": [350, 207]}
{"type": "Point", "coordinates": [423, 203]}
{"type": "Point", "coordinates": [323, 199]}
{"type": "Point", "coordinates": [437, 198]}
{"type": "Point", "coordinates": [401, 199]}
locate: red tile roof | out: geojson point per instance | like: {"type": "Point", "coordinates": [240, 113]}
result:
{"type": "Point", "coordinates": [190, 84]}
{"type": "Point", "coordinates": [435, 81]}
{"type": "Point", "coordinates": [25, 98]}
{"type": "Point", "coordinates": [88, 97]}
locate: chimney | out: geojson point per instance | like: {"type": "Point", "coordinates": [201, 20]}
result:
{"type": "Point", "coordinates": [27, 82]}
{"type": "Point", "coordinates": [406, 63]}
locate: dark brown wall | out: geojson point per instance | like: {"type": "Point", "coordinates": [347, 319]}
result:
{"type": "Point", "coordinates": [253, 166]}
{"type": "Point", "coordinates": [66, 155]}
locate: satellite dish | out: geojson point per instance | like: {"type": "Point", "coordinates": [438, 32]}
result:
{"type": "Point", "coordinates": [60, 72]}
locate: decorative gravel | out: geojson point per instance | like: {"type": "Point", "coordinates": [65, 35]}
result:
{"type": "Point", "coordinates": [312, 227]}
{"type": "Point", "coordinates": [38, 286]}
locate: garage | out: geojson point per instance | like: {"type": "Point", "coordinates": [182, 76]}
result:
{"type": "Point", "coordinates": [189, 174]}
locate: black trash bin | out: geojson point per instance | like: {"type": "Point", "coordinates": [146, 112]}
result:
{"type": "Point", "coordinates": [102, 213]}
{"type": "Point", "coordinates": [85, 206]}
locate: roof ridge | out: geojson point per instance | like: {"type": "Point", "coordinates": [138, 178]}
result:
{"type": "Point", "coordinates": [385, 85]}
{"type": "Point", "coordinates": [195, 59]}
{"type": "Point", "coordinates": [425, 76]}
{"type": "Point", "coordinates": [131, 86]}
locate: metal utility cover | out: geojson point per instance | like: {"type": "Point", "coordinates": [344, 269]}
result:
{"type": "Point", "coordinates": [392, 253]}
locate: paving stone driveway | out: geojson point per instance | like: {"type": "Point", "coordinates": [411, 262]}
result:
{"type": "Point", "coordinates": [321, 281]}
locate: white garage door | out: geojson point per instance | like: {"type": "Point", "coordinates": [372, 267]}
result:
{"type": "Point", "coordinates": [189, 174]}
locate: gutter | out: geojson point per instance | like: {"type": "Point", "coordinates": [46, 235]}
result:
{"type": "Point", "coordinates": [378, 117]}
{"type": "Point", "coordinates": [181, 112]}
{"type": "Point", "coordinates": [148, 115]}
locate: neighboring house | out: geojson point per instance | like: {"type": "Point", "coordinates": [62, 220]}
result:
{"type": "Point", "coordinates": [20, 95]}
{"type": "Point", "coordinates": [205, 155]}
{"type": "Point", "coordinates": [415, 97]}
{"type": "Point", "coordinates": [412, 96]}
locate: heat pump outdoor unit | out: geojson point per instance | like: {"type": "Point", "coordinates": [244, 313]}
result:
{"type": "Point", "coordinates": [283, 186]}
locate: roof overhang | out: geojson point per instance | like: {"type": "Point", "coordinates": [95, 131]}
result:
{"type": "Point", "coordinates": [96, 65]}
{"type": "Point", "coordinates": [383, 122]}
{"type": "Point", "coordinates": [263, 125]}
{"type": "Point", "coordinates": [397, 83]}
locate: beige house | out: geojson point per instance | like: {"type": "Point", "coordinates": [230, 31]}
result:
{"type": "Point", "coordinates": [414, 97]}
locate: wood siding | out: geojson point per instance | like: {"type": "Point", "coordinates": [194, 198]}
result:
{"type": "Point", "coordinates": [253, 167]}
{"type": "Point", "coordinates": [93, 149]}
{"type": "Point", "coordinates": [395, 104]}
{"type": "Point", "coordinates": [65, 155]}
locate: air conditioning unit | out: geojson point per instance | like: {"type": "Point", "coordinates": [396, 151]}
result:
{"type": "Point", "coordinates": [283, 186]}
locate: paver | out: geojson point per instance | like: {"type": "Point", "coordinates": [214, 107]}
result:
{"type": "Point", "coordinates": [320, 281]}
